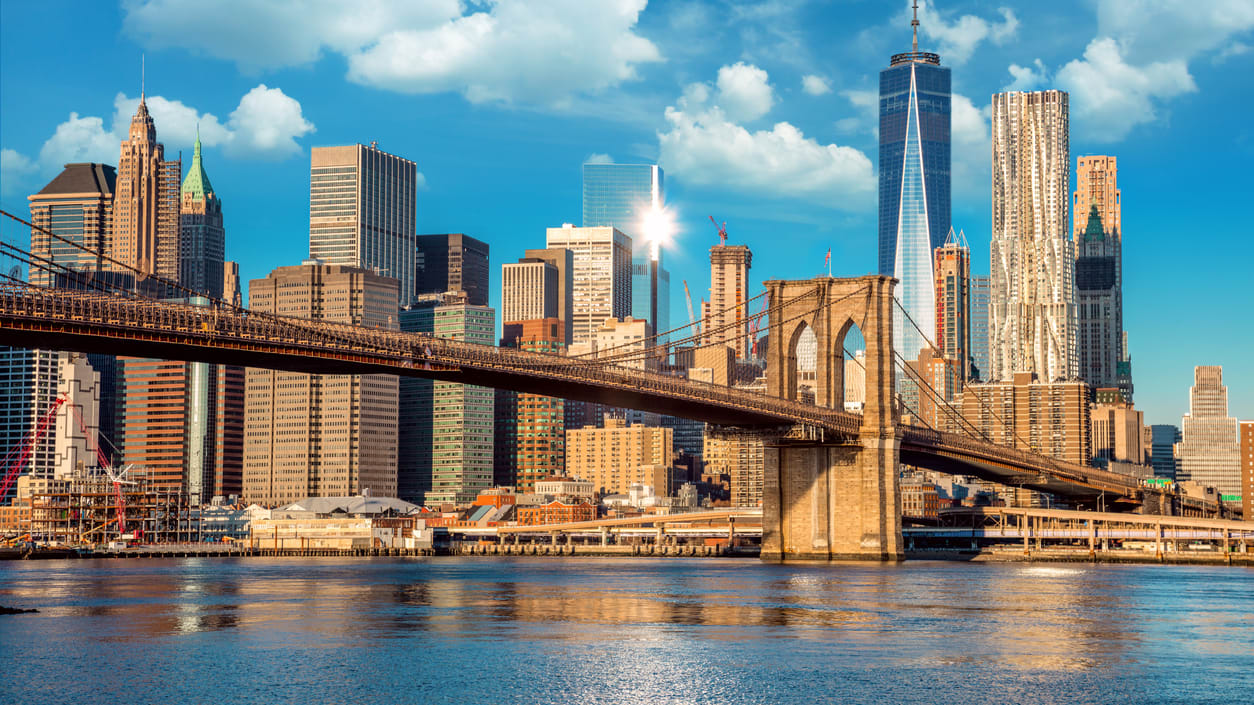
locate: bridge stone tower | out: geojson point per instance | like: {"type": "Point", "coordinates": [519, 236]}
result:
{"type": "Point", "coordinates": [824, 497]}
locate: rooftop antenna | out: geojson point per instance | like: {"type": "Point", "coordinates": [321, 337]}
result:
{"type": "Point", "coordinates": [914, 25]}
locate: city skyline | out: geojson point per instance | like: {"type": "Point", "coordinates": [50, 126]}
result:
{"type": "Point", "coordinates": [272, 234]}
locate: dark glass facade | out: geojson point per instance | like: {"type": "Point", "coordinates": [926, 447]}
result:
{"type": "Point", "coordinates": [933, 97]}
{"type": "Point", "coordinates": [453, 262]}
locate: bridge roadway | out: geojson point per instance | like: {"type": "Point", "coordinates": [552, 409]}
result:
{"type": "Point", "coordinates": [62, 319]}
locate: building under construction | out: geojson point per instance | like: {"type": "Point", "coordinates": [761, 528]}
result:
{"type": "Point", "coordinates": [91, 510]}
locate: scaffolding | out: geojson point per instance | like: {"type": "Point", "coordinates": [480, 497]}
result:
{"type": "Point", "coordinates": [81, 511]}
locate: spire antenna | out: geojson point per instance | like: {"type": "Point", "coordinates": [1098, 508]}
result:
{"type": "Point", "coordinates": [914, 25]}
{"type": "Point", "coordinates": [142, 69]}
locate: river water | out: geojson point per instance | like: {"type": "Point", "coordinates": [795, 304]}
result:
{"type": "Point", "coordinates": [581, 630]}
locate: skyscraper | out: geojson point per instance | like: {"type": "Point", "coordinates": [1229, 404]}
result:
{"type": "Point", "coordinates": [1247, 469]}
{"type": "Point", "coordinates": [536, 431]}
{"type": "Point", "coordinates": [1032, 317]}
{"type": "Point", "coordinates": [1098, 271]}
{"type": "Point", "coordinates": [529, 290]}
{"type": "Point", "coordinates": [78, 422]}
{"type": "Point", "coordinates": [28, 388]}
{"type": "Point", "coordinates": [1097, 184]}
{"type": "Point", "coordinates": [415, 417]}
{"type": "Point", "coordinates": [725, 319]}
{"type": "Point", "coordinates": [1117, 431]}
{"type": "Point", "coordinates": [980, 293]}
{"type": "Point", "coordinates": [1098, 234]}
{"type": "Point", "coordinates": [321, 435]}
{"type": "Point", "coordinates": [953, 306]}
{"type": "Point", "coordinates": [564, 260]}
{"type": "Point", "coordinates": [202, 239]}
{"type": "Point", "coordinates": [1163, 441]}
{"type": "Point", "coordinates": [462, 430]}
{"type": "Point", "coordinates": [623, 196]}
{"type": "Point", "coordinates": [601, 276]}
{"type": "Point", "coordinates": [1210, 443]}
{"type": "Point", "coordinates": [78, 206]}
{"type": "Point", "coordinates": [363, 211]}
{"type": "Point", "coordinates": [146, 202]}
{"type": "Point", "coordinates": [182, 425]}
{"type": "Point", "coordinates": [453, 262]}
{"type": "Point", "coordinates": [914, 198]}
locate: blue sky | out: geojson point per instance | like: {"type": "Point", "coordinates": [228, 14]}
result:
{"type": "Point", "coordinates": [762, 114]}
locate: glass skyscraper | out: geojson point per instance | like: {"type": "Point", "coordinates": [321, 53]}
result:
{"type": "Point", "coordinates": [621, 195]}
{"type": "Point", "coordinates": [914, 186]}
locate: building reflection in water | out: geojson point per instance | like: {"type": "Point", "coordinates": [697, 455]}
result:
{"type": "Point", "coordinates": [1020, 617]}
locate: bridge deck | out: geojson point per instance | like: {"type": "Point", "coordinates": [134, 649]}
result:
{"type": "Point", "coordinates": [33, 316]}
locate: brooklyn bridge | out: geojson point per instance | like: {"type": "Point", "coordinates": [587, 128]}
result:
{"type": "Point", "coordinates": [830, 490]}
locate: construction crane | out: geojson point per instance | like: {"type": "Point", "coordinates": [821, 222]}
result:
{"type": "Point", "coordinates": [18, 455]}
{"type": "Point", "coordinates": [755, 324]}
{"type": "Point", "coordinates": [722, 231]}
{"type": "Point", "coordinates": [692, 318]}
{"type": "Point", "coordinates": [118, 478]}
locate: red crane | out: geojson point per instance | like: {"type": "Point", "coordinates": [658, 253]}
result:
{"type": "Point", "coordinates": [19, 455]}
{"type": "Point", "coordinates": [722, 230]}
{"type": "Point", "coordinates": [103, 460]}
{"type": "Point", "coordinates": [755, 324]}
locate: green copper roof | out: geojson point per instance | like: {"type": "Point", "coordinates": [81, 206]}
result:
{"type": "Point", "coordinates": [197, 181]}
{"type": "Point", "coordinates": [1092, 232]}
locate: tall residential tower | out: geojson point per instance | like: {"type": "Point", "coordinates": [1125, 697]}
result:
{"type": "Point", "coordinates": [1032, 317]}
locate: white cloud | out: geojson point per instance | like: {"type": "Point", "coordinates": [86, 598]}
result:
{"type": "Point", "coordinates": [867, 105]}
{"type": "Point", "coordinates": [960, 37]}
{"type": "Point", "coordinates": [744, 92]}
{"type": "Point", "coordinates": [704, 146]}
{"type": "Point", "coordinates": [278, 33]}
{"type": "Point", "coordinates": [519, 51]}
{"type": "Point", "coordinates": [265, 125]}
{"type": "Point", "coordinates": [176, 122]}
{"type": "Point", "coordinates": [1109, 96]}
{"type": "Point", "coordinates": [1233, 49]}
{"type": "Point", "coordinates": [815, 85]}
{"type": "Point", "coordinates": [421, 181]}
{"type": "Point", "coordinates": [542, 52]}
{"type": "Point", "coordinates": [80, 139]}
{"type": "Point", "coordinates": [1162, 30]}
{"type": "Point", "coordinates": [968, 126]}
{"type": "Point", "coordinates": [599, 158]}
{"type": "Point", "coordinates": [1028, 78]}
{"type": "Point", "coordinates": [1140, 59]}
{"type": "Point", "coordinates": [970, 148]}
{"type": "Point", "coordinates": [14, 168]}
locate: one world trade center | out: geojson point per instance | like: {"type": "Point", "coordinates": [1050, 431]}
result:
{"type": "Point", "coordinates": [914, 186]}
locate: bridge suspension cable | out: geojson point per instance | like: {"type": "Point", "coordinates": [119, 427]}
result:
{"type": "Point", "coordinates": [111, 286]}
{"type": "Point", "coordinates": [637, 352]}
{"type": "Point", "coordinates": [983, 402]}
{"type": "Point", "coordinates": [650, 342]}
